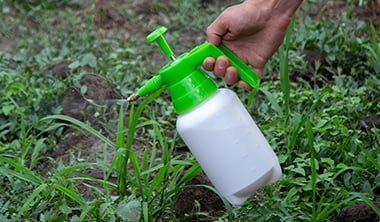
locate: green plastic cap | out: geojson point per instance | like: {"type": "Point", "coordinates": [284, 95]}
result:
{"type": "Point", "coordinates": [187, 84]}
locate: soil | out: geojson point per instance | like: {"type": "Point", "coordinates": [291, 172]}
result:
{"type": "Point", "coordinates": [358, 213]}
{"type": "Point", "coordinates": [77, 145]}
{"type": "Point", "coordinates": [185, 206]}
{"type": "Point", "coordinates": [6, 44]}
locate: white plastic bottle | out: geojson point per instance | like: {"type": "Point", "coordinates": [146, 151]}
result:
{"type": "Point", "coordinates": [213, 122]}
{"type": "Point", "coordinates": [229, 146]}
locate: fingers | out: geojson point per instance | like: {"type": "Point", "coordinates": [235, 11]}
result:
{"type": "Point", "coordinates": [221, 68]}
{"type": "Point", "coordinates": [221, 65]}
{"type": "Point", "coordinates": [208, 64]}
{"type": "Point", "coordinates": [231, 77]}
{"type": "Point", "coordinates": [244, 85]}
{"type": "Point", "coordinates": [214, 38]}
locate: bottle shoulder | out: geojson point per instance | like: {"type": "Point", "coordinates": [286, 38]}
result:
{"type": "Point", "coordinates": [221, 99]}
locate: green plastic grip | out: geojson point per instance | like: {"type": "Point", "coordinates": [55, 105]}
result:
{"type": "Point", "coordinates": [245, 72]}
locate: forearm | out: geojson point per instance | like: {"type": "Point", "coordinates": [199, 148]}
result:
{"type": "Point", "coordinates": [279, 7]}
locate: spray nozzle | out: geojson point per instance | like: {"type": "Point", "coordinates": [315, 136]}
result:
{"type": "Point", "coordinates": [155, 83]}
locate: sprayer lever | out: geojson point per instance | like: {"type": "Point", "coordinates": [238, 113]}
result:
{"type": "Point", "coordinates": [157, 35]}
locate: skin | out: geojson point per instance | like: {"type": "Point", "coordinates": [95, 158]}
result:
{"type": "Point", "coordinates": [253, 30]}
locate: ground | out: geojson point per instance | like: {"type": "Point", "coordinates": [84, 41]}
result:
{"type": "Point", "coordinates": [78, 144]}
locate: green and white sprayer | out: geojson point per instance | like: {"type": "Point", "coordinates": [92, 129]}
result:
{"type": "Point", "coordinates": [213, 122]}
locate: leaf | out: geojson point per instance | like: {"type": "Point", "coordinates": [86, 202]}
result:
{"type": "Point", "coordinates": [88, 59]}
{"type": "Point", "coordinates": [299, 171]}
{"type": "Point", "coordinates": [64, 208]}
{"type": "Point", "coordinates": [83, 89]}
{"type": "Point", "coordinates": [7, 109]}
{"type": "Point", "coordinates": [74, 65]}
{"type": "Point", "coordinates": [130, 211]}
{"type": "Point", "coordinates": [366, 188]}
{"type": "Point", "coordinates": [327, 160]}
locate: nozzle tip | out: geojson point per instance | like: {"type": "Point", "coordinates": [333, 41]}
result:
{"type": "Point", "coordinates": [133, 97]}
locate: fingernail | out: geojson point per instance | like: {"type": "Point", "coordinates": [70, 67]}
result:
{"type": "Point", "coordinates": [229, 77]}
{"type": "Point", "coordinates": [222, 64]}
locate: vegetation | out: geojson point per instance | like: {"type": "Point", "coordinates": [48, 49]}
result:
{"type": "Point", "coordinates": [314, 116]}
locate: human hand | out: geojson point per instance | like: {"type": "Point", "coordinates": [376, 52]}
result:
{"type": "Point", "coordinates": [253, 30]}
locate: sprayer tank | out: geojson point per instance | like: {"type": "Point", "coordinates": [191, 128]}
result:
{"type": "Point", "coordinates": [229, 146]}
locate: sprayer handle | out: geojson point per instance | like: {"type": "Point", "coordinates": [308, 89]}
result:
{"type": "Point", "coordinates": [245, 72]}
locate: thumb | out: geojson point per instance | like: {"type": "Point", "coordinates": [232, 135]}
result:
{"type": "Point", "coordinates": [215, 31]}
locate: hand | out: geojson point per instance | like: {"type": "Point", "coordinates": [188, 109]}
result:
{"type": "Point", "coordinates": [253, 30]}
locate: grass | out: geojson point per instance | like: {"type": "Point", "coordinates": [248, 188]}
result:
{"type": "Point", "coordinates": [155, 192]}
{"type": "Point", "coordinates": [329, 158]}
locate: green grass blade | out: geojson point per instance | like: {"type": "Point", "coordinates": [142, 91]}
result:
{"type": "Point", "coordinates": [36, 151]}
{"type": "Point", "coordinates": [71, 194]}
{"type": "Point", "coordinates": [251, 97]}
{"type": "Point", "coordinates": [272, 100]}
{"type": "Point", "coordinates": [20, 171]}
{"type": "Point", "coordinates": [136, 169]}
{"type": "Point", "coordinates": [133, 118]}
{"type": "Point", "coordinates": [145, 211]}
{"type": "Point", "coordinates": [120, 129]}
{"type": "Point", "coordinates": [73, 168]}
{"type": "Point", "coordinates": [310, 136]}
{"type": "Point", "coordinates": [375, 43]}
{"type": "Point", "coordinates": [103, 182]}
{"type": "Point", "coordinates": [284, 69]}
{"type": "Point", "coordinates": [32, 196]}
{"type": "Point", "coordinates": [284, 79]}
{"type": "Point", "coordinates": [159, 178]}
{"type": "Point", "coordinates": [85, 211]}
{"type": "Point", "coordinates": [82, 125]}
{"type": "Point", "coordinates": [371, 158]}
{"type": "Point", "coordinates": [190, 173]}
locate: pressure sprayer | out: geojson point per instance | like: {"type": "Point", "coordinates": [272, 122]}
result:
{"type": "Point", "coordinates": [213, 122]}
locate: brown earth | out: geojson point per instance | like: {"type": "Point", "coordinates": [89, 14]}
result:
{"type": "Point", "coordinates": [109, 19]}
{"type": "Point", "coordinates": [358, 213]}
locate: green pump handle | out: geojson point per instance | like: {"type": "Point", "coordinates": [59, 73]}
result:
{"type": "Point", "coordinates": [245, 72]}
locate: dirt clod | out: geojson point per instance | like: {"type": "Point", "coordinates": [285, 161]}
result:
{"type": "Point", "coordinates": [6, 44]}
{"type": "Point", "coordinates": [317, 62]}
{"type": "Point", "coordinates": [108, 15]}
{"type": "Point", "coordinates": [73, 104]}
{"type": "Point", "coordinates": [98, 88]}
{"type": "Point", "coordinates": [187, 200]}
{"type": "Point", "coordinates": [358, 213]}
{"type": "Point", "coordinates": [372, 121]}
{"type": "Point", "coordinates": [61, 69]}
